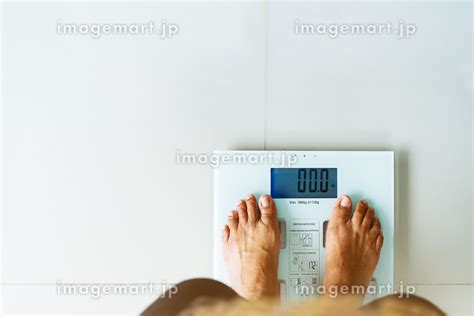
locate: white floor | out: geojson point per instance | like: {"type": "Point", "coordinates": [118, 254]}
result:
{"type": "Point", "coordinates": [91, 190]}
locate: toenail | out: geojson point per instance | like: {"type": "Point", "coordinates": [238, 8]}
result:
{"type": "Point", "coordinates": [265, 201]}
{"type": "Point", "coordinates": [364, 202]}
{"type": "Point", "coordinates": [250, 196]}
{"type": "Point", "coordinates": [345, 201]}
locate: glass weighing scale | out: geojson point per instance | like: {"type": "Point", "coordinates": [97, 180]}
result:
{"type": "Point", "coordinates": [305, 186]}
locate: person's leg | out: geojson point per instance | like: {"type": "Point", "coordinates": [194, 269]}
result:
{"type": "Point", "coordinates": [251, 247]}
{"type": "Point", "coordinates": [353, 244]}
{"type": "Point", "coordinates": [405, 305]}
{"type": "Point", "coordinates": [189, 294]}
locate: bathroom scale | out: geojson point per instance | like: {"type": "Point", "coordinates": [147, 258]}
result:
{"type": "Point", "coordinates": [305, 186]}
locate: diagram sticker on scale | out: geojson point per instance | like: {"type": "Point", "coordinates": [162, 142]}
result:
{"type": "Point", "coordinates": [304, 256]}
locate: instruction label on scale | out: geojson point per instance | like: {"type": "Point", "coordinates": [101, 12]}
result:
{"type": "Point", "coordinates": [304, 257]}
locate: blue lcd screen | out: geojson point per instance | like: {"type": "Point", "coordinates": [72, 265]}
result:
{"type": "Point", "coordinates": [306, 183]}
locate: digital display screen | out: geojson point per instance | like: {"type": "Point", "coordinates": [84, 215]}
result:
{"type": "Point", "coordinates": [317, 183]}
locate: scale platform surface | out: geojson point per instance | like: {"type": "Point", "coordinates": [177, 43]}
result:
{"type": "Point", "coordinates": [305, 186]}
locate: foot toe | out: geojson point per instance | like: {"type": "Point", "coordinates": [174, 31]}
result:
{"type": "Point", "coordinates": [375, 229]}
{"type": "Point", "coordinates": [242, 210]}
{"type": "Point", "coordinates": [342, 209]}
{"type": "Point", "coordinates": [252, 210]}
{"type": "Point", "coordinates": [233, 220]}
{"type": "Point", "coordinates": [359, 212]}
{"type": "Point", "coordinates": [368, 218]}
{"type": "Point", "coordinates": [379, 243]}
{"type": "Point", "coordinates": [268, 211]}
{"type": "Point", "coordinates": [225, 233]}
{"type": "Point", "coordinates": [376, 223]}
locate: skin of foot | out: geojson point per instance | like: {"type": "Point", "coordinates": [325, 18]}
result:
{"type": "Point", "coordinates": [353, 245]}
{"type": "Point", "coordinates": [251, 246]}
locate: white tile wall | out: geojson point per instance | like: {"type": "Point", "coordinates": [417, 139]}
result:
{"type": "Point", "coordinates": [91, 127]}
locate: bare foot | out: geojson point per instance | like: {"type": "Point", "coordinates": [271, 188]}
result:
{"type": "Point", "coordinates": [251, 241]}
{"type": "Point", "coordinates": [353, 245]}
